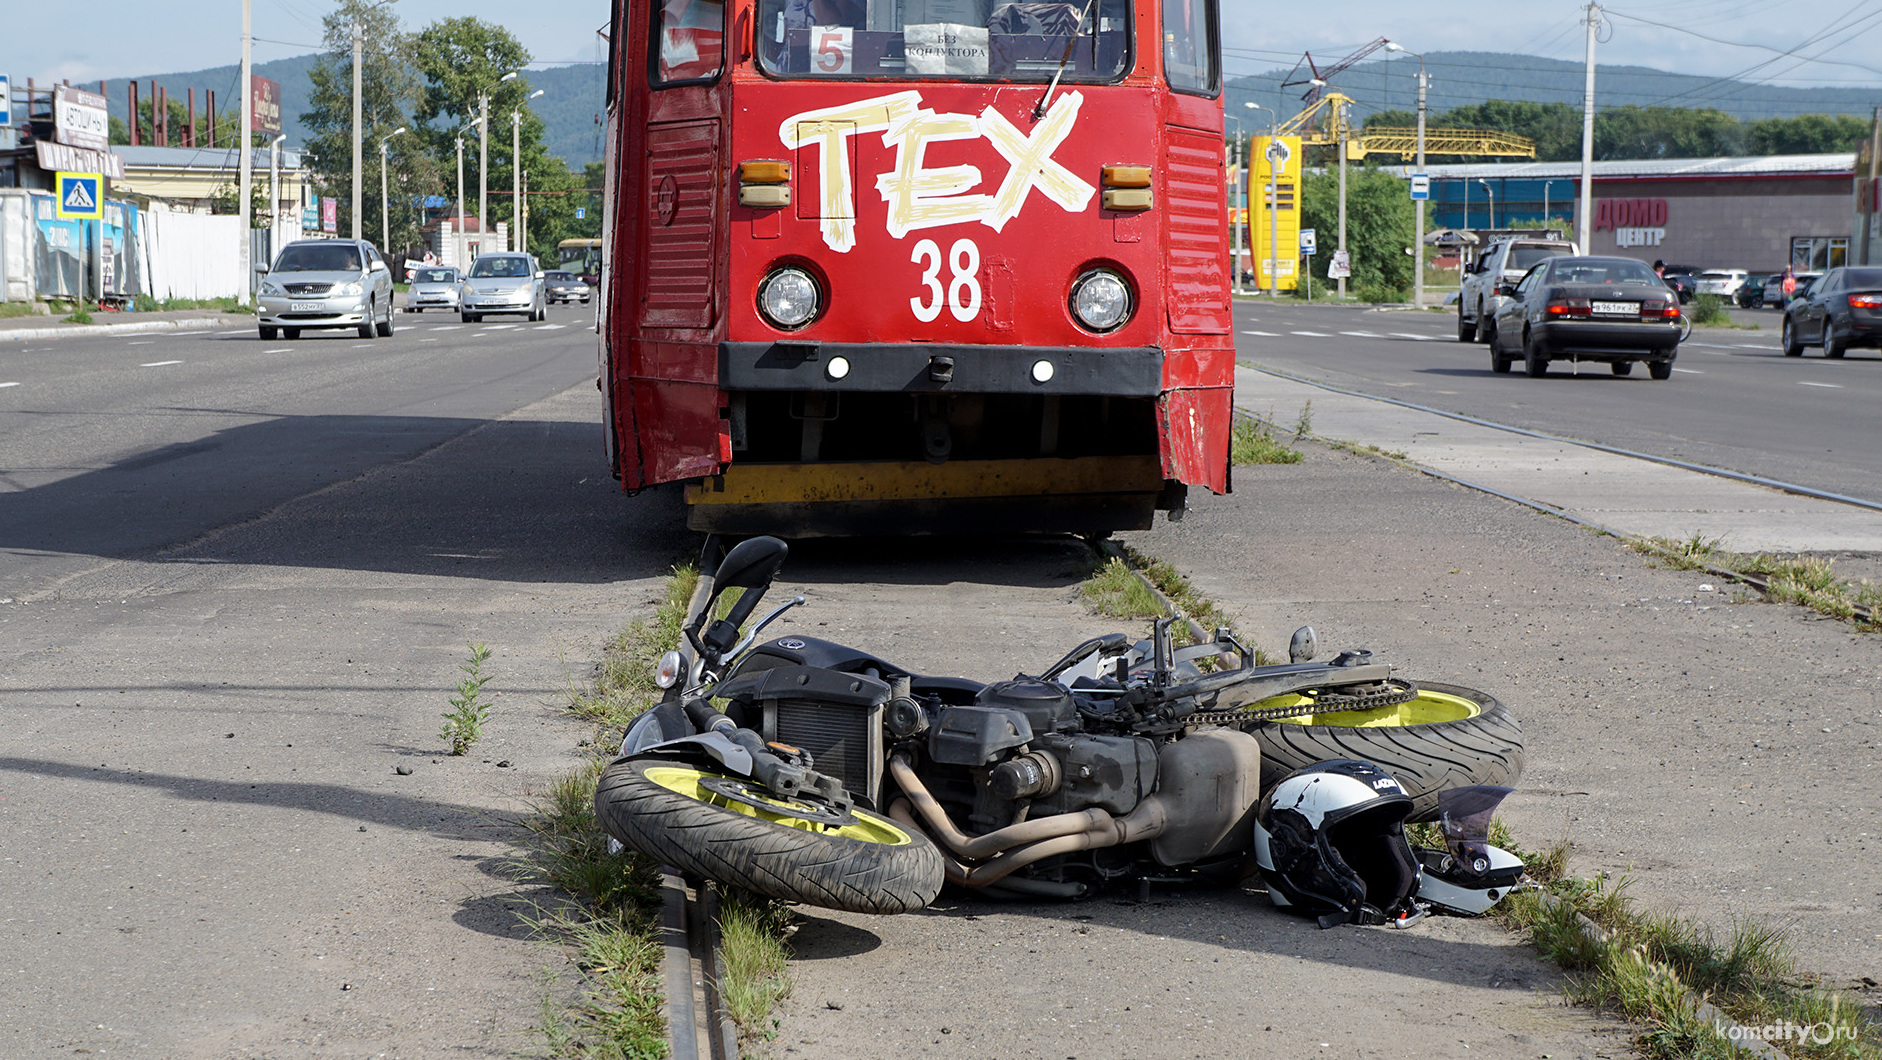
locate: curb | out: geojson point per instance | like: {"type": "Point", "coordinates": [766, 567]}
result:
{"type": "Point", "coordinates": [1722, 1024]}
{"type": "Point", "coordinates": [34, 334]}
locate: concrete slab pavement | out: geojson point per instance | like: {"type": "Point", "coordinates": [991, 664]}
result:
{"type": "Point", "coordinates": [1627, 494]}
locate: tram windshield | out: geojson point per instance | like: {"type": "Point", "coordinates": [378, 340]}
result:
{"type": "Point", "coordinates": [946, 39]}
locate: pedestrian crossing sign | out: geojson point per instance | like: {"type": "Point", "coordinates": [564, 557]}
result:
{"type": "Point", "coordinates": [81, 196]}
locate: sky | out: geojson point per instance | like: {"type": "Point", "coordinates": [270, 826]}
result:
{"type": "Point", "coordinates": [1834, 43]}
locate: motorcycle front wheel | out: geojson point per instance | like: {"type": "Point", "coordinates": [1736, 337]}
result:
{"type": "Point", "coordinates": [735, 832]}
{"type": "Point", "coordinates": [1447, 737]}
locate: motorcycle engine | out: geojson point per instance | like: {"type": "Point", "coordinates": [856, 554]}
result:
{"type": "Point", "coordinates": [1021, 744]}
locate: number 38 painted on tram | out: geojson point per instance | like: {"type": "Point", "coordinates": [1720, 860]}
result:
{"type": "Point", "coordinates": [904, 266]}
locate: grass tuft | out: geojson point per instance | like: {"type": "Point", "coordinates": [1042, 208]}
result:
{"type": "Point", "coordinates": [1253, 441]}
{"type": "Point", "coordinates": [1809, 581]}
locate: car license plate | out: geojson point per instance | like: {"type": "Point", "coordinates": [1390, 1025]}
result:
{"type": "Point", "coordinates": [304, 307]}
{"type": "Point", "coordinates": [1617, 309]}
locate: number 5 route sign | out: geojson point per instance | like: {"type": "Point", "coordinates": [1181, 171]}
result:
{"type": "Point", "coordinates": [81, 196]}
{"type": "Point", "coordinates": [831, 49]}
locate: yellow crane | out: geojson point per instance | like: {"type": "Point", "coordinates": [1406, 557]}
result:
{"type": "Point", "coordinates": [1332, 126]}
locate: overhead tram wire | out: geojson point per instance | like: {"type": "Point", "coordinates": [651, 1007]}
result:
{"type": "Point", "coordinates": [1834, 27]}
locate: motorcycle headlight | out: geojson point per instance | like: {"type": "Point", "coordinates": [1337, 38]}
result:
{"type": "Point", "coordinates": [789, 298]}
{"type": "Point", "coordinates": [1101, 300]}
{"type": "Point", "coordinates": [350, 289]}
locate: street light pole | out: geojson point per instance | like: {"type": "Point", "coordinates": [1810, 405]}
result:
{"type": "Point", "coordinates": [1233, 179]}
{"type": "Point", "coordinates": [457, 251]}
{"type": "Point", "coordinates": [1490, 194]}
{"type": "Point", "coordinates": [385, 209]}
{"type": "Point", "coordinates": [358, 36]}
{"type": "Point", "coordinates": [245, 172]}
{"type": "Point", "coordinates": [274, 191]}
{"type": "Point", "coordinates": [516, 169]}
{"type": "Point", "coordinates": [1248, 192]}
{"type": "Point", "coordinates": [483, 155]}
{"type": "Point", "coordinates": [1418, 205]}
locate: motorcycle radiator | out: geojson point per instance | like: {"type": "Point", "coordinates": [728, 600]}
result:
{"type": "Point", "coordinates": [844, 740]}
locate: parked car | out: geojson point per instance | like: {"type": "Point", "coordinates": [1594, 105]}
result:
{"type": "Point", "coordinates": [1683, 285]}
{"type": "Point", "coordinates": [1774, 288]}
{"type": "Point", "coordinates": [566, 287]}
{"type": "Point", "coordinates": [1750, 293]}
{"type": "Point", "coordinates": [1589, 309]}
{"type": "Point", "coordinates": [325, 283]}
{"type": "Point", "coordinates": [433, 287]}
{"type": "Point", "coordinates": [1722, 282]}
{"type": "Point", "coordinates": [1841, 310]}
{"type": "Point", "coordinates": [502, 282]}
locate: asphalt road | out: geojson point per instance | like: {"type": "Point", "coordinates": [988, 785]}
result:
{"type": "Point", "coordinates": [117, 447]}
{"type": "Point", "coordinates": [1734, 402]}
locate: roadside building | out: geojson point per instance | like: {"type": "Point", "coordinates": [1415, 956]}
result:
{"type": "Point", "coordinates": [1752, 213]}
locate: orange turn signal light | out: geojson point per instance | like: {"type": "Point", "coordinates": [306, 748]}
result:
{"type": "Point", "coordinates": [764, 171]}
{"type": "Point", "coordinates": [1127, 176]}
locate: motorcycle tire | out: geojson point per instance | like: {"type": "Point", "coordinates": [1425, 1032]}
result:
{"type": "Point", "coordinates": [782, 848]}
{"type": "Point", "coordinates": [1448, 737]}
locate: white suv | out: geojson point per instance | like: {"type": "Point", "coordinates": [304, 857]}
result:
{"type": "Point", "coordinates": [1722, 282]}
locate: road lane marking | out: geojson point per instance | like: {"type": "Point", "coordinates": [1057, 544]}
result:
{"type": "Point", "coordinates": [498, 327]}
{"type": "Point", "coordinates": [5, 385]}
{"type": "Point", "coordinates": [1832, 386]}
{"type": "Point", "coordinates": [143, 342]}
{"type": "Point", "coordinates": [1743, 346]}
{"type": "Point", "coordinates": [1362, 334]}
{"type": "Point", "coordinates": [550, 327]}
{"type": "Point", "coordinates": [362, 345]}
{"type": "Point", "coordinates": [1689, 371]}
{"type": "Point", "coordinates": [448, 327]}
{"type": "Point", "coordinates": [428, 340]}
{"type": "Point", "coordinates": [158, 364]}
{"type": "Point", "coordinates": [1264, 334]}
{"type": "Point", "coordinates": [1311, 334]}
{"type": "Point", "coordinates": [283, 349]}
{"type": "Point", "coordinates": [1420, 338]}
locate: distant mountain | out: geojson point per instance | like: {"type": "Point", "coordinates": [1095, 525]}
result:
{"type": "Point", "coordinates": [569, 107]}
{"type": "Point", "coordinates": [572, 101]}
{"type": "Point", "coordinates": [1460, 78]}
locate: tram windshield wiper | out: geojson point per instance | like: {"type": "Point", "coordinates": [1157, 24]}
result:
{"type": "Point", "coordinates": [1084, 13]}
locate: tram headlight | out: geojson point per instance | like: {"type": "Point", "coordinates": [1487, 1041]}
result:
{"type": "Point", "coordinates": [1101, 300]}
{"type": "Point", "coordinates": [789, 298]}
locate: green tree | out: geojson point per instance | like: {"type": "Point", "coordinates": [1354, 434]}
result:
{"type": "Point", "coordinates": [1806, 134]}
{"type": "Point", "coordinates": [463, 61]}
{"type": "Point", "coordinates": [1379, 222]}
{"type": "Point", "coordinates": [388, 88]}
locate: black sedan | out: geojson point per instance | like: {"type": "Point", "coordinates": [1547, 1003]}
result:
{"type": "Point", "coordinates": [1613, 310]}
{"type": "Point", "coordinates": [1684, 284]}
{"type": "Point", "coordinates": [1843, 308]}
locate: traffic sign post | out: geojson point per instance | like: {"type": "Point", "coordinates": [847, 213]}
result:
{"type": "Point", "coordinates": [80, 196]}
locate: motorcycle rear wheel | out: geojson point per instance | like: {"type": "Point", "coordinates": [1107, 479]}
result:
{"type": "Point", "coordinates": [1448, 737]}
{"type": "Point", "coordinates": [788, 849]}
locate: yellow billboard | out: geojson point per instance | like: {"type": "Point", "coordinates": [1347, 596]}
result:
{"type": "Point", "coordinates": [1274, 192]}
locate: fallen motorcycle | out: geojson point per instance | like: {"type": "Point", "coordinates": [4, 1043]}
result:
{"type": "Point", "coordinates": [813, 772]}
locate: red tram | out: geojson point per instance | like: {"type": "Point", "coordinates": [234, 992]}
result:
{"type": "Point", "coordinates": [917, 265]}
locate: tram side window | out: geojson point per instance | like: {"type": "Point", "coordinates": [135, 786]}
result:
{"type": "Point", "coordinates": [1189, 46]}
{"type": "Point", "coordinates": [1003, 39]}
{"type": "Point", "coordinates": [690, 35]}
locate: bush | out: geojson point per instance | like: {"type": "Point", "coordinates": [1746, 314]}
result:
{"type": "Point", "coordinates": [1708, 309]}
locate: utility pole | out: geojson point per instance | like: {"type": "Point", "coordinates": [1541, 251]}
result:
{"type": "Point", "coordinates": [385, 210]}
{"type": "Point", "coordinates": [1584, 211]}
{"type": "Point", "coordinates": [516, 168]}
{"type": "Point", "coordinates": [274, 192]}
{"type": "Point", "coordinates": [1418, 205]}
{"type": "Point", "coordinates": [457, 251]}
{"type": "Point", "coordinates": [245, 183]}
{"type": "Point", "coordinates": [1343, 136]}
{"type": "Point", "coordinates": [358, 36]}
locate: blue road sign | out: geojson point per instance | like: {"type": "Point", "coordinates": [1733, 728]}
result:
{"type": "Point", "coordinates": [1420, 186]}
{"type": "Point", "coordinates": [6, 101]}
{"type": "Point", "coordinates": [80, 196]}
{"type": "Point", "coordinates": [1308, 238]}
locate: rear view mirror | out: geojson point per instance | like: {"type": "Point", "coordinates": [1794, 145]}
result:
{"type": "Point", "coordinates": [750, 566]}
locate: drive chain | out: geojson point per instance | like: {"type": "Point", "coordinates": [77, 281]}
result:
{"type": "Point", "coordinates": [1390, 694]}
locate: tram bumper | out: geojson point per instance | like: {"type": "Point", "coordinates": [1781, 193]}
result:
{"type": "Point", "coordinates": [939, 368]}
{"type": "Point", "coordinates": [835, 439]}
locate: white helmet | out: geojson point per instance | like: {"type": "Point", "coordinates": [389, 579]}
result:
{"type": "Point", "coordinates": [1330, 840]}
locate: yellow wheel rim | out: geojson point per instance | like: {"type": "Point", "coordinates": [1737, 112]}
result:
{"type": "Point", "coordinates": [867, 828]}
{"type": "Point", "coordinates": [1429, 708]}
